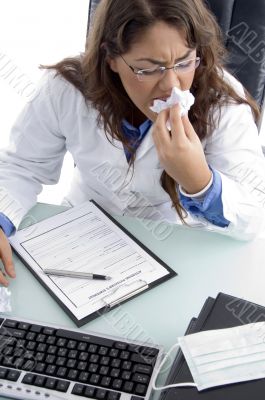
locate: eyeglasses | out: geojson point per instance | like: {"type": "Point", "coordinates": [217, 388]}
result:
{"type": "Point", "coordinates": [180, 68]}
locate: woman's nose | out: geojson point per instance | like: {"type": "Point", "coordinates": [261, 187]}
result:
{"type": "Point", "coordinates": [168, 80]}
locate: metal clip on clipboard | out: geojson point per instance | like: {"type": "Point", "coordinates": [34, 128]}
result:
{"type": "Point", "coordinates": [124, 292]}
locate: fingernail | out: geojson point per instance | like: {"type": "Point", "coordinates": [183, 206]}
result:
{"type": "Point", "coordinates": [13, 274]}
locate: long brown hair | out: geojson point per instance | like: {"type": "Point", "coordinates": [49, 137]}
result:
{"type": "Point", "coordinates": [116, 26]}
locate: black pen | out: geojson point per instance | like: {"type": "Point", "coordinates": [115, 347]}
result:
{"type": "Point", "coordinates": [75, 274]}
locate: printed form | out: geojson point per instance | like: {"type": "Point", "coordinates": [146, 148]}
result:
{"type": "Point", "coordinates": [84, 239]}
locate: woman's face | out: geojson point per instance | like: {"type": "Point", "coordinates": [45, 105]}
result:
{"type": "Point", "coordinates": [161, 43]}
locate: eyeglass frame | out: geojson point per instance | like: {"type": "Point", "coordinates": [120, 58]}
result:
{"type": "Point", "coordinates": [160, 68]}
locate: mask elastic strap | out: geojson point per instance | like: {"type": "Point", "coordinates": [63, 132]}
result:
{"type": "Point", "coordinates": [176, 345]}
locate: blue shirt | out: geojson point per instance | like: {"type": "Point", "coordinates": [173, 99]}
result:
{"type": "Point", "coordinates": [209, 206]}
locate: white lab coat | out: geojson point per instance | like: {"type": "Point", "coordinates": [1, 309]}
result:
{"type": "Point", "coordinates": [58, 119]}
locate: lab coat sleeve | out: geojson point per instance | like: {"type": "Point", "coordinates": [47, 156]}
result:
{"type": "Point", "coordinates": [234, 150]}
{"type": "Point", "coordinates": [35, 152]}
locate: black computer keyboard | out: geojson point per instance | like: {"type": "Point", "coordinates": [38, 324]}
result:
{"type": "Point", "coordinates": [50, 362]}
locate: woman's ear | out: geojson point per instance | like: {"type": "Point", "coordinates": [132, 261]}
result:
{"type": "Point", "coordinates": [112, 63]}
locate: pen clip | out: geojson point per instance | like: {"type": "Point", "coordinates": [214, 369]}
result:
{"type": "Point", "coordinates": [121, 293]}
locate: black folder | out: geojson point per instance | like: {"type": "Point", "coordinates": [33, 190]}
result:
{"type": "Point", "coordinates": [223, 312]}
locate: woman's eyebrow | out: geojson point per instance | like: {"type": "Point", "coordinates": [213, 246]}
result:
{"type": "Point", "coordinates": [151, 60]}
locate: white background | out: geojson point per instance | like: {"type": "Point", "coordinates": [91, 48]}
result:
{"type": "Point", "coordinates": [40, 32]}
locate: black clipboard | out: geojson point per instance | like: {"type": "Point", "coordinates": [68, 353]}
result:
{"type": "Point", "coordinates": [137, 291]}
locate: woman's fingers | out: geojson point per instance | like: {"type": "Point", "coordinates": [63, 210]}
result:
{"type": "Point", "coordinates": [162, 134]}
{"type": "Point", "coordinates": [6, 256]}
{"type": "Point", "coordinates": [177, 129]}
{"type": "Point", "coordinates": [3, 280]}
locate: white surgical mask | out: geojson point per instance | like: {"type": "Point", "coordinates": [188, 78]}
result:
{"type": "Point", "coordinates": [222, 356]}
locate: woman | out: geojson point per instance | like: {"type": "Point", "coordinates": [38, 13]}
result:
{"type": "Point", "coordinates": [97, 106]}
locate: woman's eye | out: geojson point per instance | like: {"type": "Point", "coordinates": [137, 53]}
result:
{"type": "Point", "coordinates": [185, 64]}
{"type": "Point", "coordinates": [147, 71]}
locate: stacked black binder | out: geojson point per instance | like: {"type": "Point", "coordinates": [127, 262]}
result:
{"type": "Point", "coordinates": [223, 312]}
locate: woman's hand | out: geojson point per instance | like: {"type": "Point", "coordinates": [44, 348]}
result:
{"type": "Point", "coordinates": [6, 257]}
{"type": "Point", "coordinates": [181, 153]}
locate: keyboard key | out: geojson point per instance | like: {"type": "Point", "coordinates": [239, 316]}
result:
{"type": "Point", "coordinates": [40, 338]}
{"type": "Point", "coordinates": [29, 379]}
{"type": "Point", "coordinates": [62, 386]}
{"type": "Point", "coordinates": [117, 384]}
{"type": "Point", "coordinates": [49, 359]}
{"type": "Point", "coordinates": [121, 345]}
{"type": "Point", "coordinates": [89, 391]}
{"type": "Point", "coordinates": [83, 377]}
{"type": "Point", "coordinates": [82, 346]}
{"type": "Point", "coordinates": [28, 365]}
{"type": "Point", "coordinates": [150, 352]}
{"type": "Point", "coordinates": [124, 355]}
{"type": "Point", "coordinates": [48, 331]}
{"type": "Point", "coordinates": [61, 342]}
{"type": "Point", "coordinates": [128, 387]}
{"type": "Point", "coordinates": [113, 395]}
{"type": "Point", "coordinates": [50, 370]}
{"type": "Point", "coordinates": [139, 359]}
{"type": "Point", "coordinates": [92, 348]}
{"type": "Point", "coordinates": [40, 380]}
{"type": "Point", "coordinates": [23, 325]}
{"type": "Point", "coordinates": [105, 360]}
{"type": "Point", "coordinates": [115, 372]}
{"type": "Point", "coordinates": [72, 374]}
{"type": "Point", "coordinates": [62, 352]}
{"type": "Point", "coordinates": [126, 375]}
{"type": "Point", "coordinates": [52, 349]}
{"type": "Point", "coordinates": [51, 340]}
{"type": "Point", "coordinates": [115, 363]}
{"type": "Point", "coordinates": [72, 354]}
{"type": "Point", "coordinates": [137, 398]}
{"type": "Point", "coordinates": [93, 368]}
{"type": "Point", "coordinates": [81, 365]}
{"type": "Point", "coordinates": [71, 344]}
{"type": "Point", "coordinates": [113, 353]}
{"type": "Point", "coordinates": [71, 363]}
{"type": "Point", "coordinates": [61, 361]}
{"type": "Point", "coordinates": [30, 335]}
{"type": "Point", "coordinates": [94, 378]}
{"type": "Point", "coordinates": [103, 350]}
{"type": "Point", "coordinates": [51, 383]}
{"type": "Point", "coordinates": [105, 381]}
{"type": "Point", "coordinates": [104, 370]}
{"type": "Point", "coordinates": [13, 375]}
{"type": "Point", "coordinates": [127, 365]}
{"type": "Point", "coordinates": [140, 378]}
{"type": "Point", "coordinates": [61, 372]}
{"type": "Point", "coordinates": [143, 369]}
{"type": "Point", "coordinates": [94, 358]}
{"type": "Point", "coordinates": [140, 389]}
{"type": "Point", "coordinates": [40, 367]}
{"type": "Point", "coordinates": [3, 372]}
{"type": "Point", "coordinates": [100, 394]}
{"type": "Point", "coordinates": [35, 328]}
{"type": "Point", "coordinates": [83, 356]}
{"type": "Point", "coordinates": [9, 323]}
{"type": "Point", "coordinates": [78, 389]}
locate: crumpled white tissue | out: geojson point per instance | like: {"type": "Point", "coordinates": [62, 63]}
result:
{"type": "Point", "coordinates": [5, 300]}
{"type": "Point", "coordinates": [185, 99]}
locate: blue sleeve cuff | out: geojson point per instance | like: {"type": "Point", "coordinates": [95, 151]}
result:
{"type": "Point", "coordinates": [6, 225]}
{"type": "Point", "coordinates": [209, 206]}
